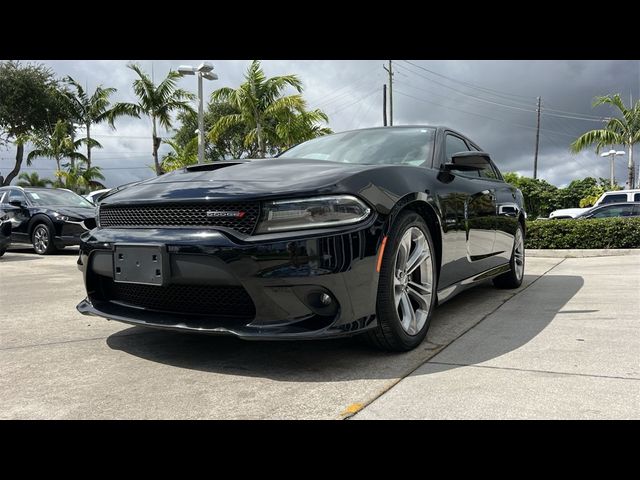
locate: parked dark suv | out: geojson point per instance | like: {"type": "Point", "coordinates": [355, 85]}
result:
{"type": "Point", "coordinates": [47, 218]}
{"type": "Point", "coordinates": [5, 233]}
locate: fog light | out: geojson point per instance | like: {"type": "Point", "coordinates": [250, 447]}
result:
{"type": "Point", "coordinates": [325, 299]}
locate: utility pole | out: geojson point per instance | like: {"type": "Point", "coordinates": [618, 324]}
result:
{"type": "Point", "coordinates": [535, 157]}
{"type": "Point", "coordinates": [384, 104]}
{"type": "Point", "coordinates": [390, 71]}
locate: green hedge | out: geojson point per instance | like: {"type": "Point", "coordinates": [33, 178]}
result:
{"type": "Point", "coordinates": [595, 233]}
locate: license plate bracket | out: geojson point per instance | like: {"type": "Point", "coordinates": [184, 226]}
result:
{"type": "Point", "coordinates": [142, 264]}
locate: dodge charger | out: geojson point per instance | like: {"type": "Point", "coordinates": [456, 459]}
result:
{"type": "Point", "coordinates": [360, 232]}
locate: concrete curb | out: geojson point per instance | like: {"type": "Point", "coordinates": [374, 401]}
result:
{"type": "Point", "coordinates": [581, 253]}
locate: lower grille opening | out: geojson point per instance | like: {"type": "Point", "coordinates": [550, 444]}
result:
{"type": "Point", "coordinates": [219, 301]}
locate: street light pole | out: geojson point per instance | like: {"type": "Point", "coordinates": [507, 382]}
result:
{"type": "Point", "coordinates": [203, 71]}
{"type": "Point", "coordinates": [612, 153]}
{"type": "Point", "coordinates": [200, 122]}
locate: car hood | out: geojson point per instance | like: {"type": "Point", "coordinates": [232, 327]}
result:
{"type": "Point", "coordinates": [237, 179]}
{"type": "Point", "coordinates": [74, 212]}
{"type": "Point", "coordinates": [572, 212]}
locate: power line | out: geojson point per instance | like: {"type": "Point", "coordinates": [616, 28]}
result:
{"type": "Point", "coordinates": [360, 84]}
{"type": "Point", "coordinates": [470, 85]}
{"type": "Point", "coordinates": [559, 113]}
{"type": "Point", "coordinates": [449, 98]}
{"type": "Point", "coordinates": [481, 115]}
{"type": "Point", "coordinates": [469, 95]}
{"type": "Point", "coordinates": [360, 79]}
{"type": "Point", "coordinates": [353, 103]}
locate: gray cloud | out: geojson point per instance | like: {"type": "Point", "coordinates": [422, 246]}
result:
{"type": "Point", "coordinates": [350, 92]}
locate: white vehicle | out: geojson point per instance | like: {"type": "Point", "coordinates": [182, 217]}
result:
{"type": "Point", "coordinates": [615, 196]}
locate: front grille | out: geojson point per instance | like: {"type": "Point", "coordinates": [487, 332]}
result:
{"type": "Point", "coordinates": [223, 301]}
{"type": "Point", "coordinates": [181, 215]}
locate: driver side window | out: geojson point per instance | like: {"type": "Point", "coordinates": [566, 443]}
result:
{"type": "Point", "coordinates": [17, 195]}
{"type": "Point", "coordinates": [453, 145]}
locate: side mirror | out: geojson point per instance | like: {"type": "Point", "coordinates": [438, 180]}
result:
{"type": "Point", "coordinates": [468, 161]}
{"type": "Point", "coordinates": [15, 203]}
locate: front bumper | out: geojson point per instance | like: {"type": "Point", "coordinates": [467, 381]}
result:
{"type": "Point", "coordinates": [283, 278]}
{"type": "Point", "coordinates": [69, 233]}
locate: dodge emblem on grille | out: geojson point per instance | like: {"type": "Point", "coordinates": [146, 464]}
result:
{"type": "Point", "coordinates": [225, 213]}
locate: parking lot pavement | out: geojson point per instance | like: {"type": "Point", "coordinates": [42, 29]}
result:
{"type": "Point", "coordinates": [56, 363]}
{"type": "Point", "coordinates": [566, 347]}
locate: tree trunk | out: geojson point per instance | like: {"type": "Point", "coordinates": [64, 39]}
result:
{"type": "Point", "coordinates": [16, 169]}
{"type": "Point", "coordinates": [260, 140]}
{"type": "Point", "coordinates": [632, 168]}
{"type": "Point", "coordinates": [71, 159]}
{"type": "Point", "coordinates": [88, 145]}
{"type": "Point", "coordinates": [156, 144]}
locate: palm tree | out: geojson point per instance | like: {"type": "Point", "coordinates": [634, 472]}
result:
{"type": "Point", "coordinates": [294, 129]}
{"type": "Point", "coordinates": [181, 156]}
{"type": "Point", "coordinates": [32, 180]}
{"type": "Point", "coordinates": [91, 110]}
{"type": "Point", "coordinates": [80, 179]}
{"type": "Point", "coordinates": [158, 102]}
{"type": "Point", "coordinates": [57, 145]}
{"type": "Point", "coordinates": [618, 131]}
{"type": "Point", "coordinates": [262, 109]}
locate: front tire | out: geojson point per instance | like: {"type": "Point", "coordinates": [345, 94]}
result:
{"type": "Point", "coordinates": [42, 239]}
{"type": "Point", "coordinates": [2, 251]}
{"type": "Point", "coordinates": [513, 278]}
{"type": "Point", "coordinates": [406, 288]}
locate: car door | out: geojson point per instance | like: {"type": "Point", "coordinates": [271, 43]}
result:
{"type": "Point", "coordinates": [468, 211]}
{"type": "Point", "coordinates": [507, 212]}
{"type": "Point", "coordinates": [479, 206]}
{"type": "Point", "coordinates": [619, 210]}
{"type": "Point", "coordinates": [18, 215]}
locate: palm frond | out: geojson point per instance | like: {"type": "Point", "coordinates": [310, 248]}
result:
{"type": "Point", "coordinates": [600, 138]}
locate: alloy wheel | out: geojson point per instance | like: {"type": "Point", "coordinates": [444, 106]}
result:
{"type": "Point", "coordinates": [413, 280]}
{"type": "Point", "coordinates": [41, 239]}
{"type": "Point", "coordinates": [518, 254]}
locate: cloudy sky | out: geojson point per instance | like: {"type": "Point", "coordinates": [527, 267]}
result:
{"type": "Point", "coordinates": [492, 102]}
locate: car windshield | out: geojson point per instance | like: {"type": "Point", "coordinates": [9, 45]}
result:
{"type": "Point", "coordinates": [60, 198]}
{"type": "Point", "coordinates": [398, 146]}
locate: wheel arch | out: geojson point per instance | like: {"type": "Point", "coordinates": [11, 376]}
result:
{"type": "Point", "coordinates": [420, 204]}
{"type": "Point", "coordinates": [37, 219]}
{"type": "Point", "coordinates": [523, 223]}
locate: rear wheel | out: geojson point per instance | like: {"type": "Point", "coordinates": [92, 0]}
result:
{"type": "Point", "coordinates": [42, 239]}
{"type": "Point", "coordinates": [513, 278]}
{"type": "Point", "coordinates": [406, 288]}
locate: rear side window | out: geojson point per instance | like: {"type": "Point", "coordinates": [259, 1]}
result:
{"type": "Point", "coordinates": [614, 198]}
{"type": "Point", "coordinates": [615, 211]}
{"type": "Point", "coordinates": [636, 197]}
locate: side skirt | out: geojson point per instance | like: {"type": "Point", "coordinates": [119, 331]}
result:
{"type": "Point", "coordinates": [452, 290]}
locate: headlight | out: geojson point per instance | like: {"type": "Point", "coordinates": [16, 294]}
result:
{"type": "Point", "coordinates": [306, 213]}
{"type": "Point", "coordinates": [60, 217]}
{"type": "Point", "coordinates": [98, 216]}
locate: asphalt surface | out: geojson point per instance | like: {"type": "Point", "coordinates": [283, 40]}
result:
{"type": "Point", "coordinates": [564, 345]}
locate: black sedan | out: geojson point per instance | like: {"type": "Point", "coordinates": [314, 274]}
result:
{"type": "Point", "coordinates": [356, 232]}
{"type": "Point", "coordinates": [625, 209]}
{"type": "Point", "coordinates": [47, 218]}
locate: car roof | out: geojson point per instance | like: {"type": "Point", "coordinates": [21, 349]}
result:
{"type": "Point", "coordinates": [613, 192]}
{"type": "Point", "coordinates": [437, 127]}
{"type": "Point", "coordinates": [613, 204]}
